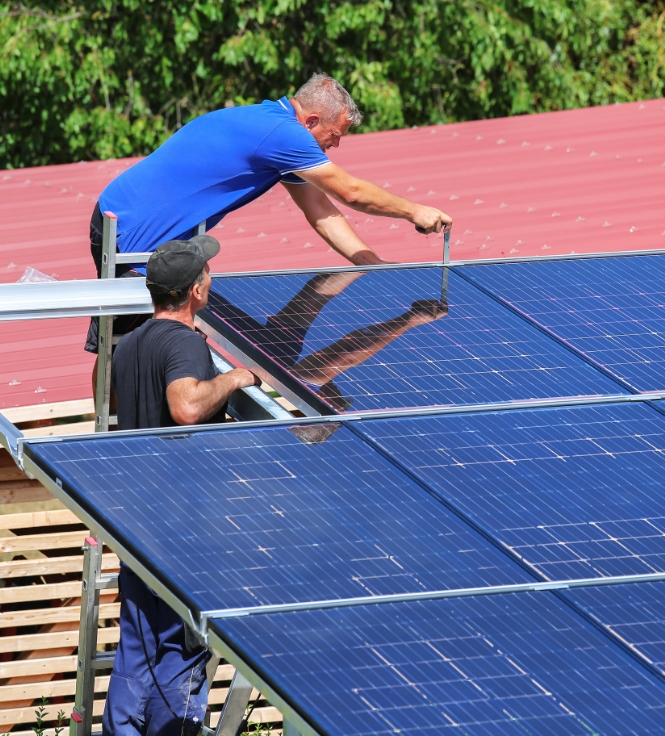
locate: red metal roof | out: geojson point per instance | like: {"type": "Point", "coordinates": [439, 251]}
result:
{"type": "Point", "coordinates": [575, 181]}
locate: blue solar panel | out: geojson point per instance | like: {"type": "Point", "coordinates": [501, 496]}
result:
{"type": "Point", "coordinates": [611, 309]}
{"type": "Point", "coordinates": [492, 665]}
{"type": "Point", "coordinates": [240, 517]}
{"type": "Point", "coordinates": [635, 613]}
{"type": "Point", "coordinates": [370, 341]}
{"type": "Point", "coordinates": [576, 492]}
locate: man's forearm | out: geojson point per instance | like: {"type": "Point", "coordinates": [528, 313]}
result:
{"type": "Point", "coordinates": [337, 232]}
{"type": "Point", "coordinates": [359, 194]}
{"type": "Point", "coordinates": [366, 197]}
{"type": "Point", "coordinates": [372, 200]}
{"type": "Point", "coordinates": [191, 401]}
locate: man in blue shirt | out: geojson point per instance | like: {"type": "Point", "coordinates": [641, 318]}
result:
{"type": "Point", "coordinates": [225, 159]}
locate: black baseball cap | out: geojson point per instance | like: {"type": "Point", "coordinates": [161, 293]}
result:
{"type": "Point", "coordinates": [174, 266]}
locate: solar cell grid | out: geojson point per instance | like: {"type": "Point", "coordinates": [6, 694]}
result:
{"type": "Point", "coordinates": [610, 309]}
{"type": "Point", "coordinates": [371, 341]}
{"type": "Point", "coordinates": [636, 613]}
{"type": "Point", "coordinates": [576, 492]}
{"type": "Point", "coordinates": [509, 664]}
{"type": "Point", "coordinates": [245, 517]}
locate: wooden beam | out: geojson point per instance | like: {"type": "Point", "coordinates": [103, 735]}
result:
{"type": "Point", "coordinates": [44, 666]}
{"type": "Point", "coordinates": [51, 565]}
{"type": "Point", "coordinates": [44, 616]}
{"type": "Point", "coordinates": [25, 491]}
{"type": "Point", "coordinates": [53, 689]}
{"type": "Point", "coordinates": [11, 472]}
{"type": "Point", "coordinates": [61, 429]}
{"type": "Point", "coordinates": [266, 714]}
{"type": "Point", "coordinates": [26, 593]}
{"type": "Point", "coordinates": [56, 665]}
{"type": "Point", "coordinates": [38, 518]}
{"type": "Point", "coordinates": [54, 640]}
{"type": "Point", "coordinates": [56, 410]}
{"type": "Point", "coordinates": [26, 714]}
{"type": "Point", "coordinates": [60, 540]}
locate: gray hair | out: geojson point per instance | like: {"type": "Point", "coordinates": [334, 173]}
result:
{"type": "Point", "coordinates": [326, 96]}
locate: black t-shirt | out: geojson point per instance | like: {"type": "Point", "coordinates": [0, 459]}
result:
{"type": "Point", "coordinates": [146, 361]}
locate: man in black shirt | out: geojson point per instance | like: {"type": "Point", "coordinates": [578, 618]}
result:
{"type": "Point", "coordinates": [163, 376]}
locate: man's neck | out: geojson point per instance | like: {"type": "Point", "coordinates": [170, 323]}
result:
{"type": "Point", "coordinates": [183, 315]}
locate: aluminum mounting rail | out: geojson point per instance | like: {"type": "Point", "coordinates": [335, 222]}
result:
{"type": "Point", "coordinates": [291, 421]}
{"type": "Point", "coordinates": [85, 298]}
{"type": "Point", "coordinates": [439, 264]}
{"type": "Point", "coordinates": [432, 595]}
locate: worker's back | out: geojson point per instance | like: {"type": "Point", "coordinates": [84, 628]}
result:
{"type": "Point", "coordinates": [146, 361]}
{"type": "Point", "coordinates": [213, 165]}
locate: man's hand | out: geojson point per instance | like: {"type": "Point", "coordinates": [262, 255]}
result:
{"type": "Point", "coordinates": [427, 310]}
{"type": "Point", "coordinates": [191, 401]}
{"type": "Point", "coordinates": [367, 258]}
{"type": "Point", "coordinates": [430, 220]}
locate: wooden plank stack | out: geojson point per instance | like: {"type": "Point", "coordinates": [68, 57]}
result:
{"type": "Point", "coordinates": [40, 586]}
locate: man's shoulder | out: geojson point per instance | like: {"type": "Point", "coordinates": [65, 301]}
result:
{"type": "Point", "coordinates": [156, 334]}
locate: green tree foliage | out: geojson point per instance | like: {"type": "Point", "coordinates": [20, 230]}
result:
{"type": "Point", "coordinates": [116, 77]}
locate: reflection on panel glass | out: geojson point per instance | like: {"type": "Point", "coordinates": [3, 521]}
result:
{"type": "Point", "coordinates": [611, 309]}
{"type": "Point", "coordinates": [391, 339]}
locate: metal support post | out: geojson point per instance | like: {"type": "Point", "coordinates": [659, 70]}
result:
{"type": "Point", "coordinates": [235, 706]}
{"type": "Point", "coordinates": [88, 661]}
{"type": "Point", "coordinates": [201, 228]}
{"type": "Point", "coordinates": [105, 336]}
{"type": "Point", "coordinates": [289, 729]}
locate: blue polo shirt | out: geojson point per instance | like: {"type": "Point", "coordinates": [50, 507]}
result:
{"type": "Point", "coordinates": [210, 167]}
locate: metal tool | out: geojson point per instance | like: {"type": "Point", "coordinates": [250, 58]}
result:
{"type": "Point", "coordinates": [445, 260]}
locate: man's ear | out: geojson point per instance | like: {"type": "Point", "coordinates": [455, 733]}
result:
{"type": "Point", "coordinates": [197, 290]}
{"type": "Point", "coordinates": [312, 120]}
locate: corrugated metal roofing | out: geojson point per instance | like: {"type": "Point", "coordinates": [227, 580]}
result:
{"type": "Point", "coordinates": [575, 181]}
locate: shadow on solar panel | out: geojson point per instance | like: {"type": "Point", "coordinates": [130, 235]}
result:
{"type": "Point", "coordinates": [391, 339]}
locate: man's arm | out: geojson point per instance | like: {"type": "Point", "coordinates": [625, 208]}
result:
{"type": "Point", "coordinates": [191, 401]}
{"type": "Point", "coordinates": [330, 224]}
{"type": "Point", "coordinates": [366, 197]}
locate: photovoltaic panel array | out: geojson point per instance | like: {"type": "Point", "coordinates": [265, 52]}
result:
{"type": "Point", "coordinates": [384, 340]}
{"type": "Point", "coordinates": [610, 309]}
{"type": "Point", "coordinates": [244, 517]}
{"type": "Point", "coordinates": [509, 664]}
{"type": "Point", "coordinates": [248, 517]}
{"type": "Point", "coordinates": [576, 492]}
{"type": "Point", "coordinates": [291, 514]}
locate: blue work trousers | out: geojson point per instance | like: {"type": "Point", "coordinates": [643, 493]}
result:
{"type": "Point", "coordinates": [158, 685]}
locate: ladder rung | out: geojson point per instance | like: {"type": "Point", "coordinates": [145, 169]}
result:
{"type": "Point", "coordinates": [102, 661]}
{"type": "Point", "coordinates": [132, 257]}
{"type": "Point", "coordinates": [106, 581]}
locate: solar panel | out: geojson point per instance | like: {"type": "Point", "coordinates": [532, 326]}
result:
{"type": "Point", "coordinates": [508, 664]}
{"type": "Point", "coordinates": [636, 613]}
{"type": "Point", "coordinates": [611, 309]}
{"type": "Point", "coordinates": [353, 341]}
{"type": "Point", "coordinates": [576, 492]}
{"type": "Point", "coordinates": [243, 517]}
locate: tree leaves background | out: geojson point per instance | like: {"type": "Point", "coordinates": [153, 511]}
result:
{"type": "Point", "coordinates": [96, 80]}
